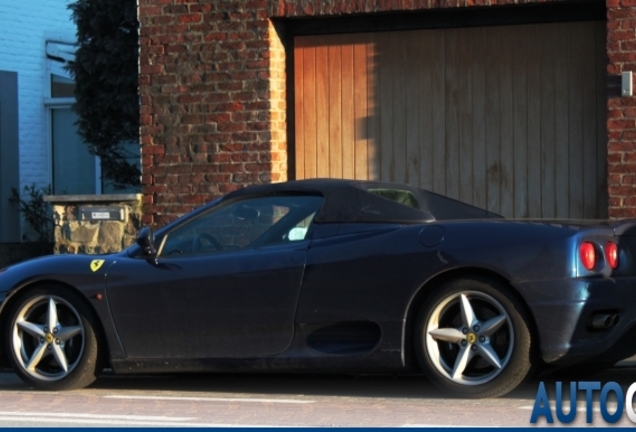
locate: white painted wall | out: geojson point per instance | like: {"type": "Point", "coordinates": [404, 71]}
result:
{"type": "Point", "coordinates": [25, 26]}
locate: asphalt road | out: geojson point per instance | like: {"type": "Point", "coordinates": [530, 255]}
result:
{"type": "Point", "coordinates": [272, 400]}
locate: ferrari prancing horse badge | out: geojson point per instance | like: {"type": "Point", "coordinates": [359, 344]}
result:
{"type": "Point", "coordinates": [96, 265]}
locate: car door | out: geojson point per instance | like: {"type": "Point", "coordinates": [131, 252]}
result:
{"type": "Point", "coordinates": [225, 284]}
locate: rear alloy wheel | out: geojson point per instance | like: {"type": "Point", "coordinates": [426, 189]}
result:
{"type": "Point", "coordinates": [51, 341]}
{"type": "Point", "coordinates": [473, 339]}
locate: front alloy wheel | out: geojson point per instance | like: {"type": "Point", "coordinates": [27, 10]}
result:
{"type": "Point", "coordinates": [473, 339]}
{"type": "Point", "coordinates": [51, 341]}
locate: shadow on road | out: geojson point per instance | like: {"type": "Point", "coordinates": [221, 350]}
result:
{"type": "Point", "coordinates": [360, 386]}
{"type": "Point", "coordinates": [371, 386]}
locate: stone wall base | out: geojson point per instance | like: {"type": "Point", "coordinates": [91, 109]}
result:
{"type": "Point", "coordinates": [95, 224]}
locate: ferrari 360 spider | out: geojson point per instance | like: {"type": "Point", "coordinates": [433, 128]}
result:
{"type": "Point", "coordinates": [331, 276]}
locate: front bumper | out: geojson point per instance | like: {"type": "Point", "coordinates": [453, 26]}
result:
{"type": "Point", "coordinates": [562, 311]}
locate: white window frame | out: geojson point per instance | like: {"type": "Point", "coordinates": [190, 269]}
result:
{"type": "Point", "coordinates": [64, 50]}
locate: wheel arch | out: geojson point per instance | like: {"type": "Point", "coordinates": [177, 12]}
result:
{"type": "Point", "coordinates": [430, 287]}
{"type": "Point", "coordinates": [11, 299]}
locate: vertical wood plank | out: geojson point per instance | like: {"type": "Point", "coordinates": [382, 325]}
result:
{"type": "Point", "coordinates": [520, 123]}
{"type": "Point", "coordinates": [334, 106]}
{"type": "Point", "coordinates": [465, 62]}
{"type": "Point", "coordinates": [299, 103]}
{"type": "Point", "coordinates": [548, 56]}
{"type": "Point", "coordinates": [398, 165]}
{"type": "Point", "coordinates": [452, 113]}
{"type": "Point", "coordinates": [562, 182]}
{"type": "Point", "coordinates": [601, 119]}
{"type": "Point", "coordinates": [575, 119]}
{"type": "Point", "coordinates": [374, 132]}
{"type": "Point", "coordinates": [322, 107]}
{"type": "Point", "coordinates": [348, 115]}
{"type": "Point", "coordinates": [361, 105]}
{"type": "Point", "coordinates": [310, 127]}
{"type": "Point", "coordinates": [507, 34]}
{"type": "Point", "coordinates": [429, 40]}
{"type": "Point", "coordinates": [493, 163]}
{"type": "Point", "coordinates": [387, 58]}
{"type": "Point", "coordinates": [588, 66]}
{"type": "Point", "coordinates": [438, 103]}
{"type": "Point", "coordinates": [413, 66]}
{"type": "Point", "coordinates": [534, 122]}
{"type": "Point", "coordinates": [478, 77]}
{"type": "Point", "coordinates": [385, 108]}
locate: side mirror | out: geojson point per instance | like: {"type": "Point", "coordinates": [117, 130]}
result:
{"type": "Point", "coordinates": [146, 239]}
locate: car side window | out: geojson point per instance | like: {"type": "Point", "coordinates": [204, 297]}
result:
{"type": "Point", "coordinates": [243, 224]}
{"type": "Point", "coordinates": [400, 196]}
{"type": "Point", "coordinates": [299, 231]}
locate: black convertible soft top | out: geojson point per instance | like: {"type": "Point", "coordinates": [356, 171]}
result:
{"type": "Point", "coordinates": [370, 201]}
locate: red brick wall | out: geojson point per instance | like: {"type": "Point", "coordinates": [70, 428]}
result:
{"type": "Point", "coordinates": [213, 107]}
{"type": "Point", "coordinates": [621, 115]}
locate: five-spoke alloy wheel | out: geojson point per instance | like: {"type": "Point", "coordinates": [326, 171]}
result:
{"type": "Point", "coordinates": [473, 340]}
{"type": "Point", "coordinates": [51, 340]}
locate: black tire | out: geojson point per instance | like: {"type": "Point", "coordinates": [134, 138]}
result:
{"type": "Point", "coordinates": [72, 340]}
{"type": "Point", "coordinates": [487, 362]}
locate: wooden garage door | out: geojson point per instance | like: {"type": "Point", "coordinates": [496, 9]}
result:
{"type": "Point", "coordinates": [508, 118]}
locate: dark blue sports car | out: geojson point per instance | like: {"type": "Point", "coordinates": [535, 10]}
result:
{"type": "Point", "coordinates": [331, 276]}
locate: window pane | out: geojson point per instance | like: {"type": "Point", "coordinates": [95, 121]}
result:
{"type": "Point", "coordinates": [245, 224]}
{"type": "Point", "coordinates": [73, 165]}
{"type": "Point", "coordinates": [62, 87]}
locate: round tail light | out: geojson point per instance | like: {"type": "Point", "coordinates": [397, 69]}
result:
{"type": "Point", "coordinates": [587, 253]}
{"type": "Point", "coordinates": [611, 254]}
